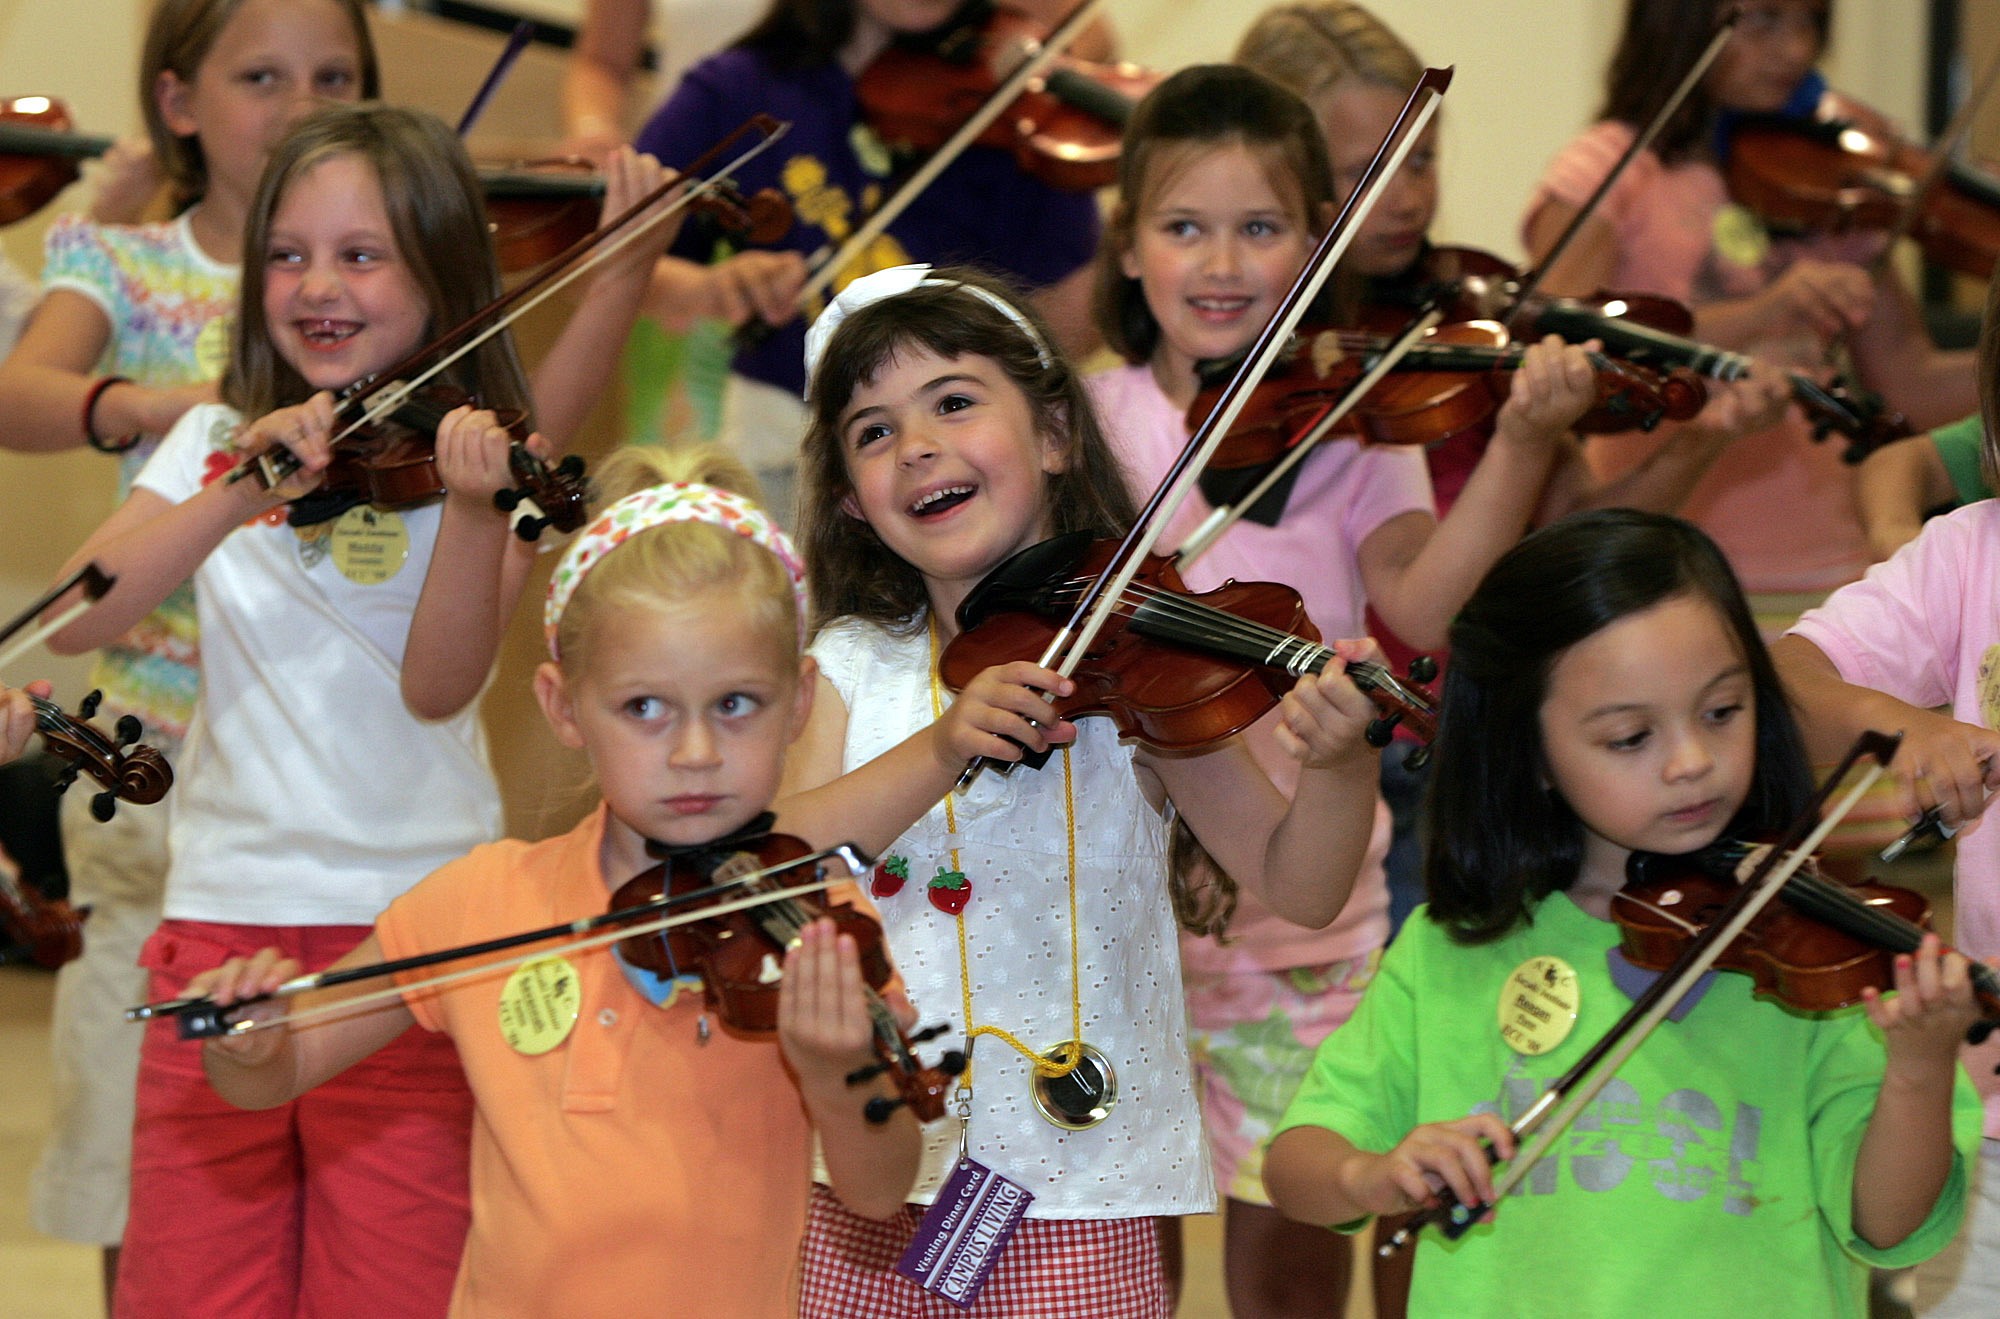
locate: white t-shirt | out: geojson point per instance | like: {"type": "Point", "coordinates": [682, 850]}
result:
{"type": "Point", "coordinates": [1148, 1156]}
{"type": "Point", "coordinates": [307, 793]}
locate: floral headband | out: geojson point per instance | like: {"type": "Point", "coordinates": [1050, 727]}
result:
{"type": "Point", "coordinates": [894, 282]}
{"type": "Point", "coordinates": [675, 501]}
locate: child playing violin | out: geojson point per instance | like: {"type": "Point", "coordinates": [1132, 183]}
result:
{"type": "Point", "coordinates": [628, 1157]}
{"type": "Point", "coordinates": [335, 755]}
{"type": "Point", "coordinates": [1917, 633]}
{"type": "Point", "coordinates": [1782, 1150]}
{"type": "Point", "coordinates": [1669, 227]}
{"type": "Point", "coordinates": [949, 434]}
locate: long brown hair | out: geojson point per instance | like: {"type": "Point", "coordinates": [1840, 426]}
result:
{"type": "Point", "coordinates": [1661, 41]}
{"type": "Point", "coordinates": [1312, 47]}
{"type": "Point", "coordinates": [178, 38]}
{"type": "Point", "coordinates": [438, 218]}
{"type": "Point", "coordinates": [1208, 106]}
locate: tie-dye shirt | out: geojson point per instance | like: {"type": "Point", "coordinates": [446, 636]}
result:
{"type": "Point", "coordinates": [170, 308]}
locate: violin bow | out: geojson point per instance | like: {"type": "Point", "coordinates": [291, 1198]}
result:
{"type": "Point", "coordinates": [1564, 1101]}
{"type": "Point", "coordinates": [829, 267]}
{"type": "Point", "coordinates": [203, 1017]}
{"type": "Point", "coordinates": [94, 581]}
{"type": "Point", "coordinates": [517, 41]}
{"type": "Point", "coordinates": [557, 273]}
{"type": "Point", "coordinates": [1104, 596]}
{"type": "Point", "coordinates": [1532, 281]}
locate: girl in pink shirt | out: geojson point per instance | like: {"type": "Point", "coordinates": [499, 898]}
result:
{"type": "Point", "coordinates": [1669, 227]}
{"type": "Point", "coordinates": [1225, 186]}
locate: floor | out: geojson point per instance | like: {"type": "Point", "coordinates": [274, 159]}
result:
{"type": "Point", "coordinates": [49, 1279]}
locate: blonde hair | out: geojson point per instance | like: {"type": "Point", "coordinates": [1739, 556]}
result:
{"type": "Point", "coordinates": [1310, 48]}
{"type": "Point", "coordinates": [178, 38]}
{"type": "Point", "coordinates": [678, 561]}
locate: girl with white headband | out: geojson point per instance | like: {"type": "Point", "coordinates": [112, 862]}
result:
{"type": "Point", "coordinates": [624, 1152]}
{"type": "Point", "coordinates": [947, 433]}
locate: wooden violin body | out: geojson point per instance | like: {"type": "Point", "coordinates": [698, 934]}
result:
{"type": "Point", "coordinates": [38, 154]}
{"type": "Point", "coordinates": [1845, 169]}
{"type": "Point", "coordinates": [1814, 950]}
{"type": "Point", "coordinates": [1177, 670]}
{"type": "Point", "coordinates": [740, 959]}
{"type": "Point", "coordinates": [1065, 130]}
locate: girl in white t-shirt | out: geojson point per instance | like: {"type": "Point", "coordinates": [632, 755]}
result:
{"type": "Point", "coordinates": [335, 755]}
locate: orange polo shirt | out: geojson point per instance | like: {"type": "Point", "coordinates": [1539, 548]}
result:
{"type": "Point", "coordinates": [631, 1169]}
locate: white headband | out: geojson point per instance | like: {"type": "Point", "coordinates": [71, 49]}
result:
{"type": "Point", "coordinates": [894, 282]}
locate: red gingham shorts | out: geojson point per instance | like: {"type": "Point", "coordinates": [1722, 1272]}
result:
{"type": "Point", "coordinates": [1052, 1268]}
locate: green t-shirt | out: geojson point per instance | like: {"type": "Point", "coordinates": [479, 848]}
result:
{"type": "Point", "coordinates": [1958, 445]}
{"type": "Point", "coordinates": [1713, 1175]}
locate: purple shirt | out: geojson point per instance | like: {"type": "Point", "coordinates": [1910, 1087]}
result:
{"type": "Point", "coordinates": [981, 211]}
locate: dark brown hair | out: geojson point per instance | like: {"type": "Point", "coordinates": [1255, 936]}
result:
{"type": "Point", "coordinates": [1206, 106]}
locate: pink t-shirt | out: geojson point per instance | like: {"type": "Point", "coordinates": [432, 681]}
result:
{"type": "Point", "coordinates": [1781, 506]}
{"type": "Point", "coordinates": [1344, 492]}
{"type": "Point", "coordinates": [1923, 628]}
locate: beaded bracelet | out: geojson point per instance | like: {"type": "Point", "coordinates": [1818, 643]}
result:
{"type": "Point", "coordinates": [90, 435]}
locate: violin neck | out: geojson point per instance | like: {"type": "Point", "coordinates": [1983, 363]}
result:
{"type": "Point", "coordinates": [1187, 622]}
{"type": "Point", "coordinates": [18, 140]}
{"type": "Point", "coordinates": [1093, 98]}
{"type": "Point", "coordinates": [1642, 343]}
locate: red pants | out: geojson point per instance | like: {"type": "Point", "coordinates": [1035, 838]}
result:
{"type": "Point", "coordinates": [350, 1200]}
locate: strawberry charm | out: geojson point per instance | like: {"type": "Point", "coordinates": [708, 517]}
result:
{"type": "Point", "coordinates": [891, 873]}
{"type": "Point", "coordinates": [950, 891]}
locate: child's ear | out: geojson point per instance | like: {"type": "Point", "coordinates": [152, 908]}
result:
{"type": "Point", "coordinates": [802, 699]}
{"type": "Point", "coordinates": [1057, 444]}
{"type": "Point", "coordinates": [1118, 229]}
{"type": "Point", "coordinates": [851, 507]}
{"type": "Point", "coordinates": [171, 95]}
{"type": "Point", "coordinates": [552, 694]}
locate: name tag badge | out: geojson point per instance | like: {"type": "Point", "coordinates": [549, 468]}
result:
{"type": "Point", "coordinates": [539, 1005]}
{"type": "Point", "coordinates": [1538, 1005]}
{"type": "Point", "coordinates": [369, 545]}
{"type": "Point", "coordinates": [963, 1232]}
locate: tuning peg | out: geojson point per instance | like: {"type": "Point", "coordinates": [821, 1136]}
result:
{"type": "Point", "coordinates": [868, 1073]}
{"type": "Point", "coordinates": [530, 528]}
{"type": "Point", "coordinates": [128, 730]}
{"type": "Point", "coordinates": [952, 1062]}
{"type": "Point", "coordinates": [1380, 732]}
{"type": "Point", "coordinates": [879, 1109]}
{"type": "Point", "coordinates": [66, 777]}
{"type": "Point", "coordinates": [1423, 668]}
{"type": "Point", "coordinates": [508, 500]}
{"type": "Point", "coordinates": [570, 468]}
{"type": "Point", "coordinates": [89, 706]}
{"type": "Point", "coordinates": [103, 806]}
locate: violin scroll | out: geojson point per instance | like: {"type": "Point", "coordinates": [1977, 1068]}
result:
{"type": "Point", "coordinates": [558, 490]}
{"type": "Point", "coordinates": [140, 775]}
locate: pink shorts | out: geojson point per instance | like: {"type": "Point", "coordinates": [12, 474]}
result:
{"type": "Point", "coordinates": [1052, 1268]}
{"type": "Point", "coordinates": [350, 1200]}
{"type": "Point", "coordinates": [1253, 1035]}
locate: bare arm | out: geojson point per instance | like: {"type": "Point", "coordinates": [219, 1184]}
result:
{"type": "Point", "coordinates": [825, 1031]}
{"type": "Point", "coordinates": [476, 573]}
{"type": "Point", "coordinates": [46, 379]}
{"type": "Point", "coordinates": [1895, 486]}
{"type": "Point", "coordinates": [1907, 1153]}
{"type": "Point", "coordinates": [597, 83]}
{"type": "Point", "coordinates": [1893, 349]}
{"type": "Point", "coordinates": [276, 1065]}
{"type": "Point", "coordinates": [1316, 1175]}
{"type": "Point", "coordinates": [1300, 857]}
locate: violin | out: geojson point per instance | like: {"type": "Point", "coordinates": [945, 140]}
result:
{"type": "Point", "coordinates": [1064, 130]}
{"type": "Point", "coordinates": [1177, 670]}
{"type": "Point", "coordinates": [1814, 950]}
{"type": "Point", "coordinates": [38, 154]}
{"type": "Point", "coordinates": [1844, 168]}
{"type": "Point", "coordinates": [1452, 381]}
{"type": "Point", "coordinates": [1640, 328]}
{"type": "Point", "coordinates": [739, 958]}
{"type": "Point", "coordinates": [49, 928]}
{"type": "Point", "coordinates": [392, 463]}
{"type": "Point", "coordinates": [537, 209]}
